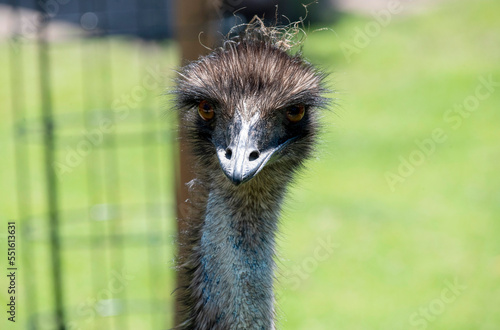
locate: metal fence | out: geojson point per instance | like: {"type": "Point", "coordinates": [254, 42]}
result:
{"type": "Point", "coordinates": [92, 156]}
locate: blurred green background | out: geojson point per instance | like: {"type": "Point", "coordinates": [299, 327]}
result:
{"type": "Point", "coordinates": [395, 225]}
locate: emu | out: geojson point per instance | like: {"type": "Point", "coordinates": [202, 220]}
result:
{"type": "Point", "coordinates": [250, 110]}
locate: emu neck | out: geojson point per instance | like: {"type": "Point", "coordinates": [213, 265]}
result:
{"type": "Point", "coordinates": [236, 258]}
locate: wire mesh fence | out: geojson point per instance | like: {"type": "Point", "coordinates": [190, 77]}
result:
{"type": "Point", "coordinates": [92, 152]}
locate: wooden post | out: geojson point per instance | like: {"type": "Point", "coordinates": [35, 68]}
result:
{"type": "Point", "coordinates": [193, 17]}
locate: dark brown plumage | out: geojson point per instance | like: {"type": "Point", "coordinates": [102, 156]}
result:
{"type": "Point", "coordinates": [250, 111]}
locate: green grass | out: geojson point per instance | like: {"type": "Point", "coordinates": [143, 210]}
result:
{"type": "Point", "coordinates": [394, 248]}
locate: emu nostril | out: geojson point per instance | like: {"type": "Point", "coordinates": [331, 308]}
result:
{"type": "Point", "coordinates": [253, 155]}
{"type": "Point", "coordinates": [229, 153]}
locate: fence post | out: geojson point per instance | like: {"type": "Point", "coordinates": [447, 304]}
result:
{"type": "Point", "coordinates": [194, 17]}
{"type": "Point", "coordinates": [50, 175]}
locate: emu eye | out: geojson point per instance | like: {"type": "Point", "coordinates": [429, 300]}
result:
{"type": "Point", "coordinates": [206, 110]}
{"type": "Point", "coordinates": [295, 113]}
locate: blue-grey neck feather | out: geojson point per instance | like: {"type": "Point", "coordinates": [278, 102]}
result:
{"type": "Point", "coordinates": [234, 279]}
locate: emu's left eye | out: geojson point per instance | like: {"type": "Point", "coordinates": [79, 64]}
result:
{"type": "Point", "coordinates": [206, 110]}
{"type": "Point", "coordinates": [295, 113]}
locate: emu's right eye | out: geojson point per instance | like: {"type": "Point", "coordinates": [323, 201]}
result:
{"type": "Point", "coordinates": [206, 110]}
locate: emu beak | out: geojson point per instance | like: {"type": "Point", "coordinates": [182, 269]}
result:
{"type": "Point", "coordinates": [242, 159]}
{"type": "Point", "coordinates": [242, 162]}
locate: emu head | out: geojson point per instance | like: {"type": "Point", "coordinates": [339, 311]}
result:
{"type": "Point", "coordinates": [250, 107]}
